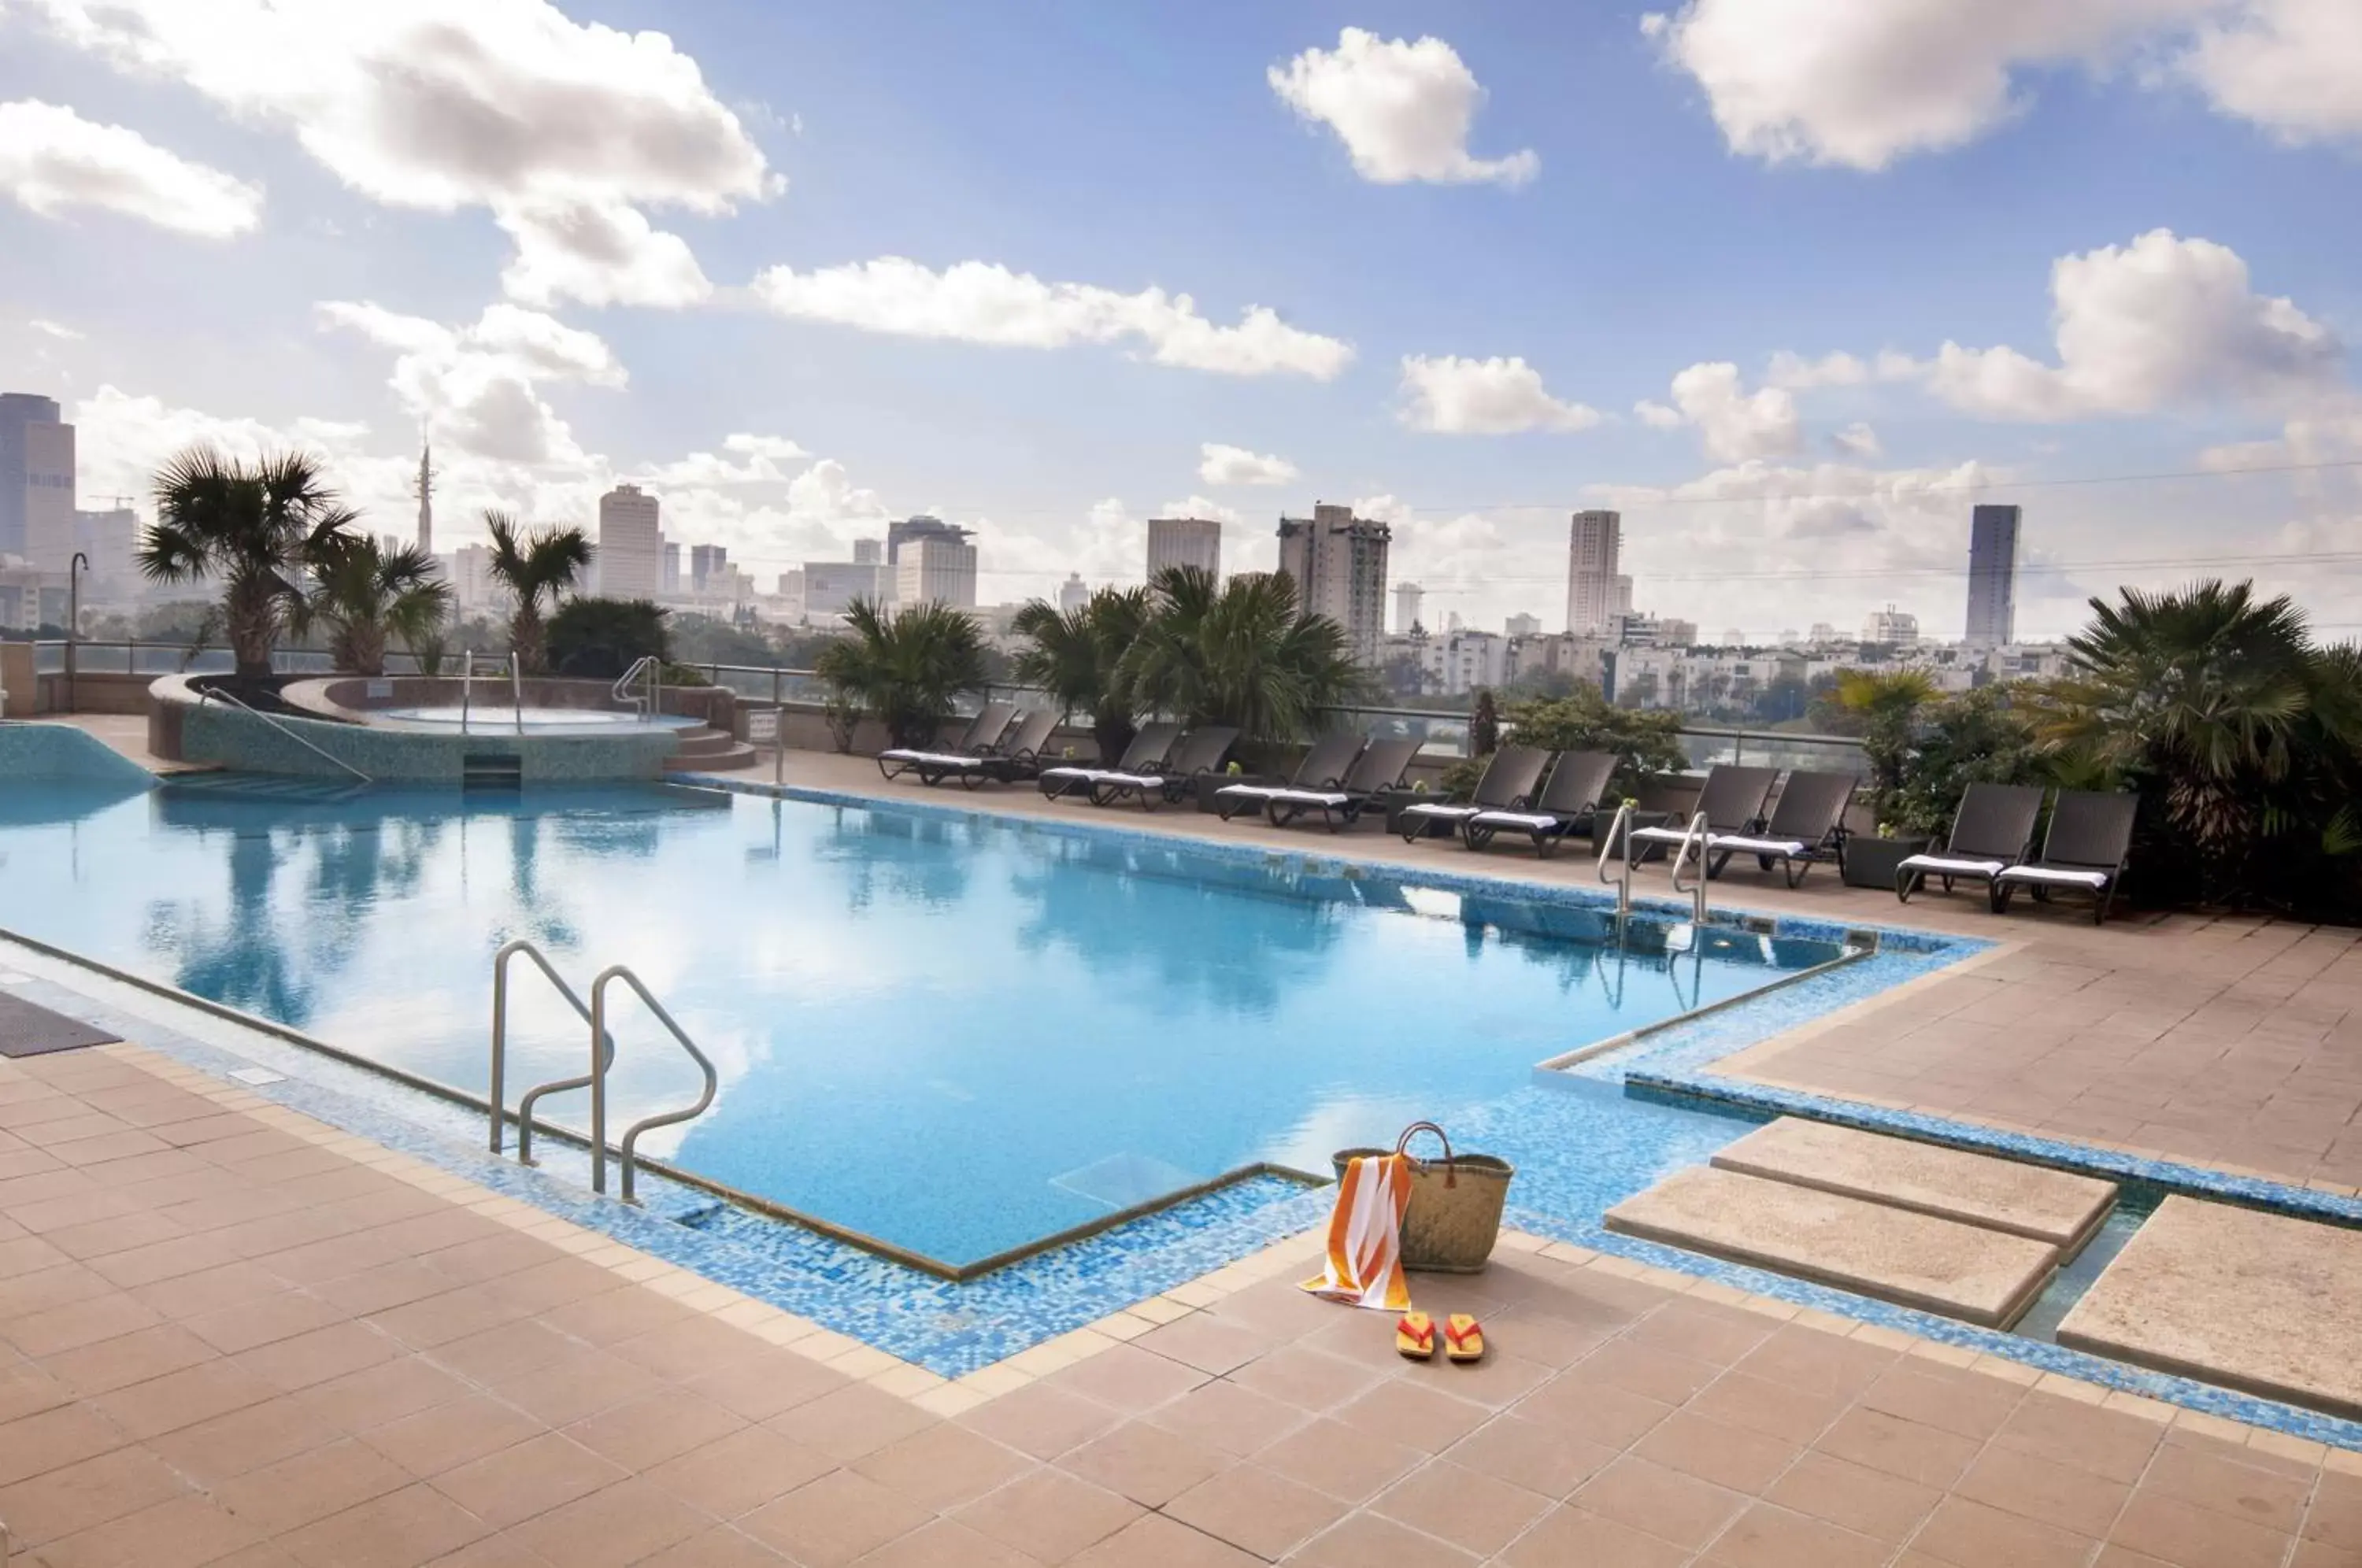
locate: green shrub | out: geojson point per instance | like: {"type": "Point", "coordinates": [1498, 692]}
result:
{"type": "Point", "coordinates": [598, 639]}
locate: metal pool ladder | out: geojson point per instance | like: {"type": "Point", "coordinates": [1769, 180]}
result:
{"type": "Point", "coordinates": [602, 1058]}
{"type": "Point", "coordinates": [1618, 842]}
{"type": "Point", "coordinates": [1692, 836]}
{"type": "Point", "coordinates": [647, 672]}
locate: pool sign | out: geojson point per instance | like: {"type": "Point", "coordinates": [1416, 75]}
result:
{"type": "Point", "coordinates": [763, 726]}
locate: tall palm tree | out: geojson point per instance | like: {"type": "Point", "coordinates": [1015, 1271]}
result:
{"type": "Point", "coordinates": [537, 567]}
{"type": "Point", "coordinates": [1886, 705]}
{"type": "Point", "coordinates": [370, 594]}
{"type": "Point", "coordinates": [259, 529]}
{"type": "Point", "coordinates": [907, 666]}
{"type": "Point", "coordinates": [1246, 654]}
{"type": "Point", "coordinates": [1078, 657]}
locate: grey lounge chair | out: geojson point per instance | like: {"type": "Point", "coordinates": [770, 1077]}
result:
{"type": "Point", "coordinates": [1990, 833]}
{"type": "Point", "coordinates": [1201, 752]}
{"type": "Point", "coordinates": [982, 735]}
{"type": "Point", "coordinates": [1508, 786]}
{"type": "Point", "coordinates": [1808, 827]}
{"type": "Point", "coordinates": [1567, 804]}
{"type": "Point", "coordinates": [1381, 767]}
{"type": "Point", "coordinates": [1324, 768]}
{"type": "Point", "coordinates": [1019, 756]}
{"type": "Point", "coordinates": [1732, 802]}
{"type": "Point", "coordinates": [1150, 745]}
{"type": "Point", "coordinates": [2089, 838]}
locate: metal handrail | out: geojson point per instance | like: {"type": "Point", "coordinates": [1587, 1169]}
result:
{"type": "Point", "coordinates": [501, 1044]}
{"type": "Point", "coordinates": [516, 687]}
{"type": "Point", "coordinates": [599, 1082]}
{"type": "Point", "coordinates": [1620, 839]}
{"type": "Point", "coordinates": [236, 702]}
{"type": "Point", "coordinates": [1695, 834]}
{"type": "Point", "coordinates": [650, 666]}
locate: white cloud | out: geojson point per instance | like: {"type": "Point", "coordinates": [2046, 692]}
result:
{"type": "Point", "coordinates": [1857, 440]}
{"type": "Point", "coordinates": [981, 302]}
{"type": "Point", "coordinates": [759, 457]}
{"type": "Point", "coordinates": [1657, 416]}
{"type": "Point", "coordinates": [562, 129]}
{"type": "Point", "coordinates": [1192, 506]}
{"type": "Point", "coordinates": [1220, 464]}
{"type": "Point", "coordinates": [1402, 109]}
{"type": "Point", "coordinates": [52, 160]}
{"type": "Point", "coordinates": [1733, 423]}
{"type": "Point", "coordinates": [1798, 373]}
{"type": "Point", "coordinates": [2159, 322]}
{"type": "Point", "coordinates": [1482, 397]}
{"type": "Point", "coordinates": [477, 385]}
{"type": "Point", "coordinates": [57, 329]}
{"type": "Point", "coordinates": [1862, 82]}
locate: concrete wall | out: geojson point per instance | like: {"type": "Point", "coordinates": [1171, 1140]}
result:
{"type": "Point", "coordinates": [88, 693]}
{"type": "Point", "coordinates": [17, 678]}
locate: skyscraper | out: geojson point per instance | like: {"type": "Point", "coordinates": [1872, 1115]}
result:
{"type": "Point", "coordinates": [1185, 541]}
{"type": "Point", "coordinates": [1409, 599]}
{"type": "Point", "coordinates": [1594, 596]}
{"type": "Point", "coordinates": [37, 482]}
{"type": "Point", "coordinates": [1339, 564]}
{"type": "Point", "coordinates": [938, 570]}
{"type": "Point", "coordinates": [1993, 576]}
{"type": "Point", "coordinates": [631, 548]}
{"type": "Point", "coordinates": [1073, 593]}
{"type": "Point", "coordinates": [707, 565]}
{"type": "Point", "coordinates": [868, 552]}
{"type": "Point", "coordinates": [426, 498]}
{"type": "Point", "coordinates": [919, 527]}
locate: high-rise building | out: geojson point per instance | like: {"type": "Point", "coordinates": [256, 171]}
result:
{"type": "Point", "coordinates": [831, 586]}
{"type": "Point", "coordinates": [868, 552]}
{"type": "Point", "coordinates": [1993, 576]}
{"type": "Point", "coordinates": [631, 546]}
{"type": "Point", "coordinates": [1523, 626]}
{"type": "Point", "coordinates": [1890, 627]}
{"type": "Point", "coordinates": [109, 538]}
{"type": "Point", "coordinates": [1073, 593]}
{"type": "Point", "coordinates": [707, 563]}
{"type": "Point", "coordinates": [1339, 564]}
{"type": "Point", "coordinates": [1409, 599]}
{"type": "Point", "coordinates": [933, 569]}
{"type": "Point", "coordinates": [669, 573]}
{"type": "Point", "coordinates": [37, 482]}
{"type": "Point", "coordinates": [1184, 542]}
{"type": "Point", "coordinates": [426, 498]}
{"type": "Point", "coordinates": [915, 528]}
{"type": "Point", "coordinates": [1594, 594]}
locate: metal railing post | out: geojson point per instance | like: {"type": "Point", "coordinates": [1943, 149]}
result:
{"type": "Point", "coordinates": [1695, 833]}
{"type": "Point", "coordinates": [1618, 843]}
{"type": "Point", "coordinates": [625, 1156]}
{"type": "Point", "coordinates": [500, 1044]}
{"type": "Point", "coordinates": [467, 684]}
{"type": "Point", "coordinates": [598, 1086]}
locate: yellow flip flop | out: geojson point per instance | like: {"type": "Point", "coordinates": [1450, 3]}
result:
{"type": "Point", "coordinates": [1415, 1336]}
{"type": "Point", "coordinates": [1463, 1337]}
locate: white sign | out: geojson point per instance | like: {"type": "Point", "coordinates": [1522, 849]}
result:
{"type": "Point", "coordinates": [763, 726]}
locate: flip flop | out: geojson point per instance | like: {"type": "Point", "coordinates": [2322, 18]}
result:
{"type": "Point", "coordinates": [1415, 1336]}
{"type": "Point", "coordinates": [1463, 1337]}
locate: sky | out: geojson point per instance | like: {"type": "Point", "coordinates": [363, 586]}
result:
{"type": "Point", "coordinates": [1792, 283]}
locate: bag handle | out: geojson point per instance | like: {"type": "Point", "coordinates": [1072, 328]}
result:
{"type": "Point", "coordinates": [1402, 1147]}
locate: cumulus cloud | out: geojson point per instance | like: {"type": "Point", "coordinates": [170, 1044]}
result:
{"type": "Point", "coordinates": [1191, 506]}
{"type": "Point", "coordinates": [1482, 397]}
{"type": "Point", "coordinates": [477, 385]}
{"type": "Point", "coordinates": [57, 329]}
{"type": "Point", "coordinates": [981, 302]}
{"type": "Point", "coordinates": [1862, 82]}
{"type": "Point", "coordinates": [2159, 322]}
{"type": "Point", "coordinates": [745, 460]}
{"type": "Point", "coordinates": [1220, 464]}
{"type": "Point", "coordinates": [1733, 424]}
{"type": "Point", "coordinates": [1857, 440]}
{"type": "Point", "coordinates": [52, 160]}
{"type": "Point", "coordinates": [1402, 109]}
{"type": "Point", "coordinates": [562, 130]}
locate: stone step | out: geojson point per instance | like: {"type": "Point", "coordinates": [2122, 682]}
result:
{"type": "Point", "coordinates": [727, 760]}
{"type": "Point", "coordinates": [1984, 1277]}
{"type": "Point", "coordinates": [2051, 1206]}
{"type": "Point", "coordinates": [2234, 1296]}
{"type": "Point", "coordinates": [702, 740]}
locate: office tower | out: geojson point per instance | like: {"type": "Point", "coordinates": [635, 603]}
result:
{"type": "Point", "coordinates": [109, 539]}
{"type": "Point", "coordinates": [829, 587]}
{"type": "Point", "coordinates": [1593, 543]}
{"type": "Point", "coordinates": [630, 548]}
{"type": "Point", "coordinates": [1890, 627]}
{"type": "Point", "coordinates": [912, 529]}
{"type": "Point", "coordinates": [868, 552]}
{"type": "Point", "coordinates": [933, 569]}
{"type": "Point", "coordinates": [37, 482]}
{"type": "Point", "coordinates": [1073, 593]}
{"type": "Point", "coordinates": [1409, 598]}
{"type": "Point", "coordinates": [1523, 626]}
{"type": "Point", "coordinates": [1339, 565]}
{"type": "Point", "coordinates": [1993, 576]}
{"type": "Point", "coordinates": [1185, 541]}
{"type": "Point", "coordinates": [426, 498]}
{"type": "Point", "coordinates": [670, 571]}
{"type": "Point", "coordinates": [707, 565]}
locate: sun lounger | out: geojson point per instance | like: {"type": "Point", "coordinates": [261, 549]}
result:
{"type": "Point", "coordinates": [1381, 767]}
{"type": "Point", "coordinates": [1731, 802]}
{"type": "Point", "coordinates": [1808, 827]}
{"type": "Point", "coordinates": [1567, 803]}
{"type": "Point", "coordinates": [1508, 786]}
{"type": "Point", "coordinates": [1199, 752]}
{"type": "Point", "coordinates": [1990, 833]}
{"type": "Point", "coordinates": [2089, 838]}
{"type": "Point", "coordinates": [1019, 756]}
{"type": "Point", "coordinates": [983, 734]}
{"type": "Point", "coordinates": [1324, 768]}
{"type": "Point", "coordinates": [1149, 745]}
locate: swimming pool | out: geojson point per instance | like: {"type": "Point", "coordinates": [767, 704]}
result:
{"type": "Point", "coordinates": [492, 716]}
{"type": "Point", "coordinates": [952, 1035]}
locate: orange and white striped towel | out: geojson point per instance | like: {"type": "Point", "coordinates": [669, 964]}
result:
{"type": "Point", "coordinates": [1364, 1267]}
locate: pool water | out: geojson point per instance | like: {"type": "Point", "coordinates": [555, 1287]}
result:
{"type": "Point", "coordinates": [954, 1035]}
{"type": "Point", "coordinates": [492, 716]}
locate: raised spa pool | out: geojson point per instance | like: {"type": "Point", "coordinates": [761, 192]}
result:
{"type": "Point", "coordinates": [492, 717]}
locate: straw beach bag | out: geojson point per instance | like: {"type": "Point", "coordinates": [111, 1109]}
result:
{"type": "Point", "coordinates": [1455, 1204]}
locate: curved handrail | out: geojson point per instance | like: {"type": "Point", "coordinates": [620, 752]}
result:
{"type": "Point", "coordinates": [647, 665]}
{"type": "Point", "coordinates": [234, 701]}
{"type": "Point", "coordinates": [599, 1086]}
{"type": "Point", "coordinates": [1620, 839]}
{"type": "Point", "coordinates": [1695, 836]}
{"type": "Point", "coordinates": [516, 687]}
{"type": "Point", "coordinates": [500, 1045]}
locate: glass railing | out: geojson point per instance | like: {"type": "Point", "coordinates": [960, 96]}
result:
{"type": "Point", "coordinates": [1774, 749]}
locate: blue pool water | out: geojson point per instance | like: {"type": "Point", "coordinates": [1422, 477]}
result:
{"type": "Point", "coordinates": [956, 1036]}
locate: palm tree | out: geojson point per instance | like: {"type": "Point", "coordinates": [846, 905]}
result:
{"type": "Point", "coordinates": [1246, 654]}
{"type": "Point", "coordinates": [261, 530]}
{"type": "Point", "coordinates": [906, 667]}
{"type": "Point", "coordinates": [534, 566]}
{"type": "Point", "coordinates": [1886, 704]}
{"type": "Point", "coordinates": [370, 594]}
{"type": "Point", "coordinates": [1078, 657]}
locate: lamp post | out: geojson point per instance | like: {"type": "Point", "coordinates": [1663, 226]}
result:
{"type": "Point", "coordinates": [74, 568]}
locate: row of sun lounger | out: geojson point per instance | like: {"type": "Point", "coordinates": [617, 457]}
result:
{"type": "Point", "coordinates": [2084, 850]}
{"type": "Point", "coordinates": [997, 747]}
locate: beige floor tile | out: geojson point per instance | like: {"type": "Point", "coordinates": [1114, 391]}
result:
{"type": "Point", "coordinates": [1223, 1415]}
{"type": "Point", "coordinates": [1972, 1535]}
{"type": "Point", "coordinates": [1041, 1419]}
{"type": "Point", "coordinates": [737, 1474]}
{"type": "Point", "coordinates": [525, 1479]}
{"type": "Point", "coordinates": [1147, 1463]}
{"type": "Point", "coordinates": [311, 1486]}
{"type": "Point", "coordinates": [1048, 1514]}
{"type": "Point", "coordinates": [1768, 1537]}
{"type": "Point", "coordinates": [1680, 1508]}
{"type": "Point", "coordinates": [834, 1520]}
{"type": "Point", "coordinates": [88, 1493]}
{"type": "Point", "coordinates": [853, 1421]}
{"type": "Point", "coordinates": [1344, 1462]}
{"type": "Point", "coordinates": [1368, 1541]}
{"type": "Point", "coordinates": [401, 1529]}
{"type": "Point", "coordinates": [944, 1466]}
{"type": "Point", "coordinates": [446, 1436]}
{"type": "Point", "coordinates": [613, 1527]}
{"type": "Point", "coordinates": [647, 1431]}
{"type": "Point", "coordinates": [1472, 1509]}
{"type": "Point", "coordinates": [1155, 1541]}
{"type": "Point", "coordinates": [1128, 1378]}
{"type": "Point", "coordinates": [1571, 1535]}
